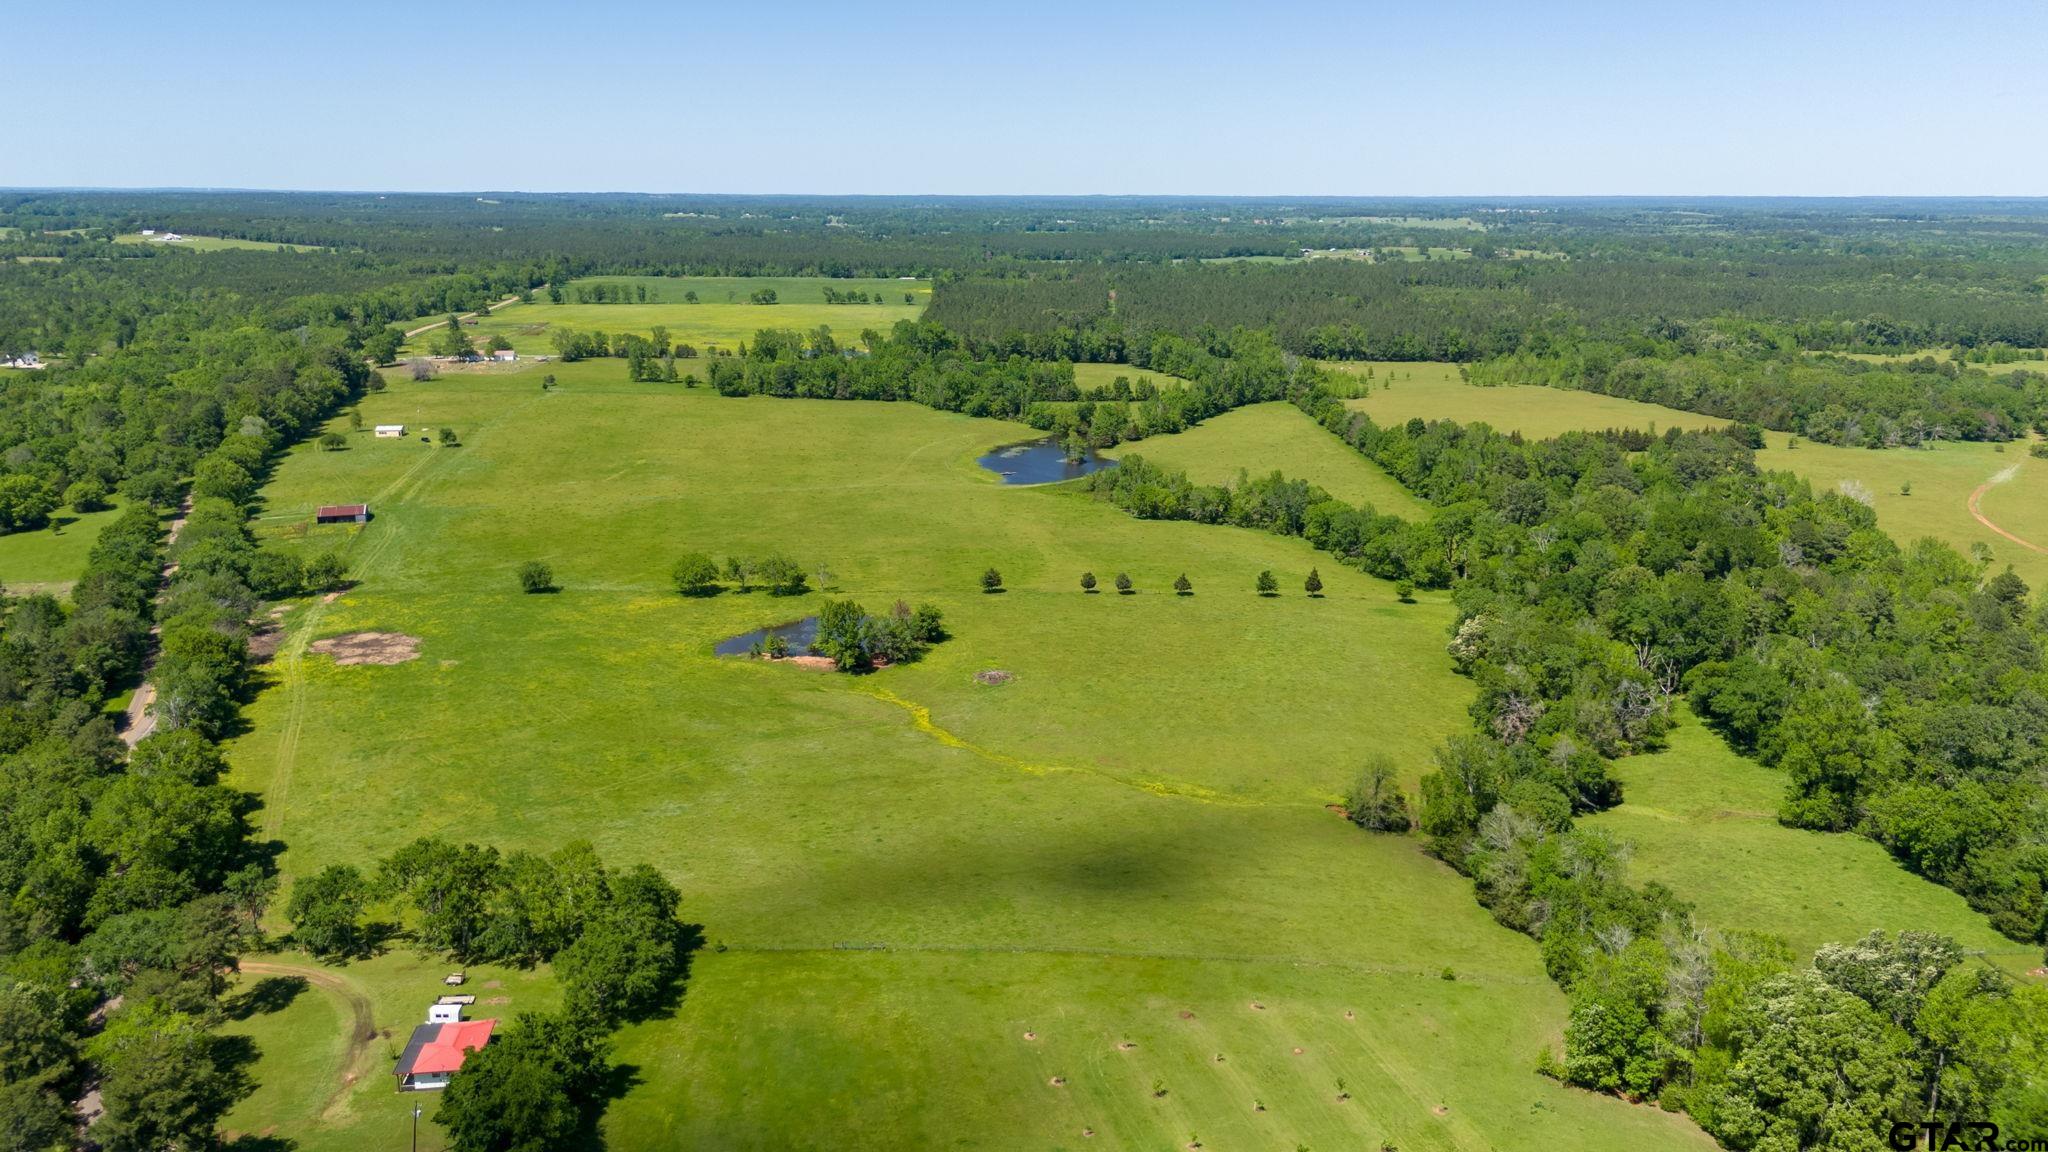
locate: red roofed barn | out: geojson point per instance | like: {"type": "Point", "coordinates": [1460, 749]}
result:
{"type": "Point", "coordinates": [342, 514]}
{"type": "Point", "coordinates": [437, 1050]}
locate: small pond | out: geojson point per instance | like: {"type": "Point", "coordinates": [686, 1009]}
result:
{"type": "Point", "coordinates": [799, 633]}
{"type": "Point", "coordinates": [1039, 462]}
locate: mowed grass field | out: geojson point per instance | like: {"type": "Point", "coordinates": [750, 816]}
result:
{"type": "Point", "coordinates": [214, 243]}
{"type": "Point", "coordinates": [1704, 821]}
{"type": "Point", "coordinates": [1402, 391]}
{"type": "Point", "coordinates": [900, 875]}
{"type": "Point", "coordinates": [1263, 437]}
{"type": "Point", "coordinates": [723, 317]}
{"type": "Point", "coordinates": [1088, 376]}
{"type": "Point", "coordinates": [1942, 477]}
{"type": "Point", "coordinates": [44, 561]}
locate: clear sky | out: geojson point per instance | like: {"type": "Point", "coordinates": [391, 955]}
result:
{"type": "Point", "coordinates": [1278, 97]}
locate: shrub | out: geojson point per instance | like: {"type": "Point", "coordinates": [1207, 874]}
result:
{"type": "Point", "coordinates": [1267, 585]}
{"type": "Point", "coordinates": [1405, 589]}
{"type": "Point", "coordinates": [535, 576]}
{"type": "Point", "coordinates": [991, 581]}
{"type": "Point", "coordinates": [1314, 584]}
{"type": "Point", "coordinates": [1182, 586]}
{"type": "Point", "coordinates": [1376, 801]}
{"type": "Point", "coordinates": [1123, 583]}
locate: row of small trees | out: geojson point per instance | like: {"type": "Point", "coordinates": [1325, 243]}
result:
{"type": "Point", "coordinates": [697, 574]}
{"type": "Point", "coordinates": [1267, 584]}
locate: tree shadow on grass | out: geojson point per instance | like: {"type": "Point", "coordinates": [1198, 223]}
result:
{"type": "Point", "coordinates": [268, 995]}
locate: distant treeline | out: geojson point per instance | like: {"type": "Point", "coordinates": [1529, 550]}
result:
{"type": "Point", "coordinates": [1830, 399]}
{"type": "Point", "coordinates": [1465, 310]}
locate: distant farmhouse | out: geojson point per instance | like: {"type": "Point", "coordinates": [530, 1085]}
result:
{"type": "Point", "coordinates": [343, 514]}
{"type": "Point", "coordinates": [25, 360]}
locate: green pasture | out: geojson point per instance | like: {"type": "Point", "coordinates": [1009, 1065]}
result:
{"type": "Point", "coordinates": [723, 316]}
{"type": "Point", "coordinates": [901, 874]}
{"type": "Point", "coordinates": [1088, 376]}
{"type": "Point", "coordinates": [1402, 391]}
{"type": "Point", "coordinates": [1264, 437]}
{"type": "Point", "coordinates": [1942, 478]}
{"type": "Point", "coordinates": [214, 243]}
{"type": "Point", "coordinates": [1704, 821]}
{"type": "Point", "coordinates": [46, 560]}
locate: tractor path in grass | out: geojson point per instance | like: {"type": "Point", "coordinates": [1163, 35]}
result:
{"type": "Point", "coordinates": [362, 1023]}
{"type": "Point", "coordinates": [512, 299]}
{"type": "Point", "coordinates": [1986, 521]}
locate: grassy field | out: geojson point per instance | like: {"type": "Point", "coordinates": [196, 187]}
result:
{"type": "Point", "coordinates": [722, 317]}
{"type": "Point", "coordinates": [902, 874]}
{"type": "Point", "coordinates": [46, 561]}
{"type": "Point", "coordinates": [214, 243]}
{"type": "Point", "coordinates": [1704, 821]}
{"type": "Point", "coordinates": [1088, 376]}
{"type": "Point", "coordinates": [1263, 437]}
{"type": "Point", "coordinates": [1943, 478]}
{"type": "Point", "coordinates": [1402, 391]}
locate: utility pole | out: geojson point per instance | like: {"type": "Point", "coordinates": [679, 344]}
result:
{"type": "Point", "coordinates": [415, 1128]}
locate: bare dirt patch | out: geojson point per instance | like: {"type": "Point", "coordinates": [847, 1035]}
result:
{"type": "Point", "coordinates": [993, 677]}
{"type": "Point", "coordinates": [370, 648]}
{"type": "Point", "coordinates": [264, 645]}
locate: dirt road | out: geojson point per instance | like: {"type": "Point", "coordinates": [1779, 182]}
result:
{"type": "Point", "coordinates": [141, 720]}
{"type": "Point", "coordinates": [361, 1022]}
{"type": "Point", "coordinates": [1986, 521]}
{"type": "Point", "coordinates": [465, 316]}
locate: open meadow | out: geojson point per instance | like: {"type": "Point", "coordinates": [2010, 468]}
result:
{"type": "Point", "coordinates": [723, 315]}
{"type": "Point", "coordinates": [49, 560]}
{"type": "Point", "coordinates": [214, 243]}
{"type": "Point", "coordinates": [1106, 897]}
{"type": "Point", "coordinates": [1704, 820]}
{"type": "Point", "coordinates": [2010, 486]}
{"type": "Point", "coordinates": [1405, 390]}
{"type": "Point", "coordinates": [1261, 438]}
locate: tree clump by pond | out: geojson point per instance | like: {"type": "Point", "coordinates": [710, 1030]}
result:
{"type": "Point", "coordinates": [856, 641]}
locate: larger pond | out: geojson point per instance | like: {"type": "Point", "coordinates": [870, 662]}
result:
{"type": "Point", "coordinates": [1040, 462]}
{"type": "Point", "coordinates": [799, 634]}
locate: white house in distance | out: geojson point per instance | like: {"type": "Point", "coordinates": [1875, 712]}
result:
{"type": "Point", "coordinates": [25, 360]}
{"type": "Point", "coordinates": [504, 355]}
{"type": "Point", "coordinates": [390, 431]}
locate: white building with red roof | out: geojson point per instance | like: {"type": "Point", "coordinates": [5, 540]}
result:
{"type": "Point", "coordinates": [437, 1049]}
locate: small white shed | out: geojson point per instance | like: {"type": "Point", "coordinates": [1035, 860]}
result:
{"type": "Point", "coordinates": [390, 431]}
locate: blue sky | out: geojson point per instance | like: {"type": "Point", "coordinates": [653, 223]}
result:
{"type": "Point", "coordinates": [882, 96]}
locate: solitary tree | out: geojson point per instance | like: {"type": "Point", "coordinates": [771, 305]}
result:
{"type": "Point", "coordinates": [1087, 581]}
{"type": "Point", "coordinates": [1268, 586]}
{"type": "Point", "coordinates": [535, 576]}
{"type": "Point", "coordinates": [1314, 583]}
{"type": "Point", "coordinates": [696, 575]}
{"type": "Point", "coordinates": [1123, 583]}
{"type": "Point", "coordinates": [1405, 589]}
{"type": "Point", "coordinates": [991, 581]}
{"type": "Point", "coordinates": [1183, 586]}
{"type": "Point", "coordinates": [448, 438]}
